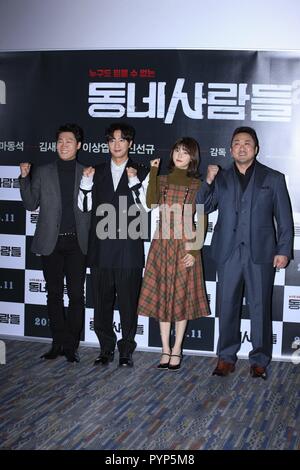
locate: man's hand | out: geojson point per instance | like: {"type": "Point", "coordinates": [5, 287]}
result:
{"type": "Point", "coordinates": [131, 172]}
{"type": "Point", "coordinates": [212, 171]}
{"type": "Point", "coordinates": [280, 261]}
{"type": "Point", "coordinates": [25, 169]}
{"type": "Point", "coordinates": [89, 171]}
{"type": "Point", "coordinates": [155, 162]}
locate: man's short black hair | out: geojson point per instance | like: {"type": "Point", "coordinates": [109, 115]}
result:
{"type": "Point", "coordinates": [247, 130]}
{"type": "Point", "coordinates": [71, 127]}
{"type": "Point", "coordinates": [127, 131]}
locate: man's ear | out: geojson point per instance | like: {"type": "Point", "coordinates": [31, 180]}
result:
{"type": "Point", "coordinates": [78, 145]}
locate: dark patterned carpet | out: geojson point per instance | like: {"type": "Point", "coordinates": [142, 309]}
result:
{"type": "Point", "coordinates": [58, 405]}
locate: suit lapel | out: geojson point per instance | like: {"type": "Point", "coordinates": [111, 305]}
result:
{"type": "Point", "coordinates": [55, 179]}
{"type": "Point", "coordinates": [230, 181]}
{"type": "Point", "coordinates": [260, 172]}
{"type": "Point", "coordinates": [122, 187]}
{"type": "Point", "coordinates": [78, 174]}
{"type": "Point", "coordinates": [106, 184]}
{"type": "Point", "coordinates": [123, 183]}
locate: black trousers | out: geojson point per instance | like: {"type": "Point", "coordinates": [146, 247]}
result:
{"type": "Point", "coordinates": [126, 283]}
{"type": "Point", "coordinates": [67, 260]}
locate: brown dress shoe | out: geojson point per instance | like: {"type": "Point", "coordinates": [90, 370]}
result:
{"type": "Point", "coordinates": [258, 371]}
{"type": "Point", "coordinates": [223, 368]}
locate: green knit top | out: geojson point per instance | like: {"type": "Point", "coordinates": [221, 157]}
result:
{"type": "Point", "coordinates": [178, 177]}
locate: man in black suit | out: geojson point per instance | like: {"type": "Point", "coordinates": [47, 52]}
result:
{"type": "Point", "coordinates": [61, 237]}
{"type": "Point", "coordinates": [252, 237]}
{"type": "Point", "coordinates": [116, 259]}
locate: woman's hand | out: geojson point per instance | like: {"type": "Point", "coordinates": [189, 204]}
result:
{"type": "Point", "coordinates": [188, 260]}
{"type": "Point", "coordinates": [155, 162]}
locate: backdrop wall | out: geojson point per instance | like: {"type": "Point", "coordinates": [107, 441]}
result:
{"type": "Point", "coordinates": [136, 24]}
{"type": "Point", "coordinates": [205, 94]}
{"type": "Point", "coordinates": [164, 94]}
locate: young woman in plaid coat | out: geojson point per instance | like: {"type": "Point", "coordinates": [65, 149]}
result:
{"type": "Point", "coordinates": [173, 288]}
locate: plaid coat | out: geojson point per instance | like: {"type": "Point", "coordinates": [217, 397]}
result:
{"type": "Point", "coordinates": [171, 292]}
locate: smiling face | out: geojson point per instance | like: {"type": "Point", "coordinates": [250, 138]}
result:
{"type": "Point", "coordinates": [118, 147]}
{"type": "Point", "coordinates": [243, 150]}
{"type": "Point", "coordinates": [181, 157]}
{"type": "Point", "coordinates": [67, 146]}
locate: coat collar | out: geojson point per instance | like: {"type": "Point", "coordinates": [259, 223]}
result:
{"type": "Point", "coordinates": [260, 173]}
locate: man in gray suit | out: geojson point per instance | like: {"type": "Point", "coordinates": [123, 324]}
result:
{"type": "Point", "coordinates": [61, 237]}
{"type": "Point", "coordinates": [247, 246]}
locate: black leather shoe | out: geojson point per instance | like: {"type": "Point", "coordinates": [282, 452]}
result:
{"type": "Point", "coordinates": [104, 358]}
{"type": "Point", "coordinates": [126, 361]}
{"type": "Point", "coordinates": [72, 356]}
{"type": "Point", "coordinates": [55, 351]}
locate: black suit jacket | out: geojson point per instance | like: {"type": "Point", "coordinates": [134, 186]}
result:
{"type": "Point", "coordinates": [117, 250]}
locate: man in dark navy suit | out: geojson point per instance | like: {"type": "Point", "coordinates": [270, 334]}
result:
{"type": "Point", "coordinates": [252, 237]}
{"type": "Point", "coordinates": [116, 259]}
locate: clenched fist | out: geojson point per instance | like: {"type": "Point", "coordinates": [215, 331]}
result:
{"type": "Point", "coordinates": [25, 169]}
{"type": "Point", "coordinates": [155, 162]}
{"type": "Point", "coordinates": [89, 171]}
{"type": "Point", "coordinates": [131, 172]}
{"type": "Point", "coordinates": [212, 171]}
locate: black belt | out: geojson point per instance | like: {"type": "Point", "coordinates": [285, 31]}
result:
{"type": "Point", "coordinates": [67, 234]}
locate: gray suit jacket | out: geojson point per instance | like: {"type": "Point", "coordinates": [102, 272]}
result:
{"type": "Point", "coordinates": [41, 189]}
{"type": "Point", "coordinates": [270, 202]}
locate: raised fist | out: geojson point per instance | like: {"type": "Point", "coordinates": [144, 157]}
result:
{"type": "Point", "coordinates": [131, 172]}
{"type": "Point", "coordinates": [212, 171]}
{"type": "Point", "coordinates": [89, 171]}
{"type": "Point", "coordinates": [25, 169]}
{"type": "Point", "coordinates": [155, 162]}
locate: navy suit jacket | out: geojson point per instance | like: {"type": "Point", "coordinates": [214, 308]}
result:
{"type": "Point", "coordinates": [271, 221]}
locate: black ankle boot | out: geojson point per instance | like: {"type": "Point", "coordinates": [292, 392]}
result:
{"type": "Point", "coordinates": [55, 351]}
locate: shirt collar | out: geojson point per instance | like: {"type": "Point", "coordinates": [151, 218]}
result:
{"type": "Point", "coordinates": [118, 167]}
{"type": "Point", "coordinates": [248, 171]}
